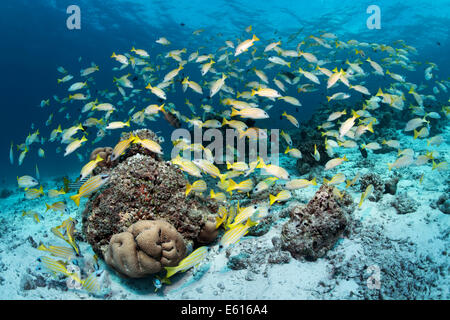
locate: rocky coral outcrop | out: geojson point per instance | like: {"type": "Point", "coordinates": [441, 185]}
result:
{"type": "Point", "coordinates": [443, 203]}
{"type": "Point", "coordinates": [313, 229]}
{"type": "Point", "coordinates": [404, 204]}
{"type": "Point", "coordinates": [145, 248]}
{"type": "Point", "coordinates": [144, 187]}
{"type": "Point", "coordinates": [380, 186]}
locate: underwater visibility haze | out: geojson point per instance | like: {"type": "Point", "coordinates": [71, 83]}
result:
{"type": "Point", "coordinates": [225, 149]}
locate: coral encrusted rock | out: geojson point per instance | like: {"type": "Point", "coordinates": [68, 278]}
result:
{"type": "Point", "coordinates": [141, 186]}
{"type": "Point", "coordinates": [313, 229]}
{"type": "Point", "coordinates": [145, 248]}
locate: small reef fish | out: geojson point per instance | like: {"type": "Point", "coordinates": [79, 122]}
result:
{"type": "Point", "coordinates": [337, 179]}
{"type": "Point", "coordinates": [34, 193]}
{"type": "Point", "coordinates": [234, 235]}
{"type": "Point", "coordinates": [403, 161]}
{"type": "Point", "coordinates": [148, 144]}
{"type": "Point", "coordinates": [366, 194]}
{"type": "Point", "coordinates": [293, 152]}
{"type": "Point", "coordinates": [335, 162]}
{"type": "Point", "coordinates": [219, 196]}
{"type": "Point", "coordinates": [194, 259]}
{"type": "Point", "coordinates": [280, 197]}
{"type": "Point", "coordinates": [35, 215]}
{"type": "Point", "coordinates": [300, 183]}
{"type": "Point", "coordinates": [120, 147]}
{"type": "Point", "coordinates": [244, 186]}
{"type": "Point", "coordinates": [57, 206]}
{"type": "Point", "coordinates": [198, 186]}
{"type": "Point", "coordinates": [90, 186]}
{"type": "Point", "coordinates": [27, 182]}
{"type": "Point", "coordinates": [273, 170]}
{"type": "Point", "coordinates": [58, 251]}
{"type": "Point", "coordinates": [222, 215]}
{"type": "Point", "coordinates": [90, 166]}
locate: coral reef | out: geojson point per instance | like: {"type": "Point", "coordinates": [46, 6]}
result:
{"type": "Point", "coordinates": [141, 187]}
{"type": "Point", "coordinates": [314, 229]}
{"type": "Point", "coordinates": [404, 204]}
{"type": "Point", "coordinates": [145, 248]}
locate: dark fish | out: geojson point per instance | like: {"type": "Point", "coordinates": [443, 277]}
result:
{"type": "Point", "coordinates": [182, 24]}
{"type": "Point", "coordinates": [135, 78]}
{"type": "Point", "coordinates": [76, 184]}
{"type": "Point", "coordinates": [363, 152]}
{"type": "Point", "coordinates": [172, 119]}
{"type": "Point", "coordinates": [288, 74]}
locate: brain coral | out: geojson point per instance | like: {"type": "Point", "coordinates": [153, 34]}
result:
{"type": "Point", "coordinates": [145, 248]}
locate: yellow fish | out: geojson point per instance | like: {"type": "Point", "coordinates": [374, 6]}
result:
{"type": "Point", "coordinates": [194, 259]}
{"type": "Point", "coordinates": [121, 147]}
{"type": "Point", "coordinates": [244, 186]}
{"type": "Point", "coordinates": [281, 196]}
{"type": "Point", "coordinates": [197, 186]}
{"type": "Point", "coordinates": [90, 166]}
{"type": "Point", "coordinates": [91, 185]}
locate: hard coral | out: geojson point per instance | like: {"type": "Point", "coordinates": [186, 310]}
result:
{"type": "Point", "coordinates": [145, 248]}
{"type": "Point", "coordinates": [105, 154]}
{"type": "Point", "coordinates": [404, 204]}
{"type": "Point", "coordinates": [314, 229]}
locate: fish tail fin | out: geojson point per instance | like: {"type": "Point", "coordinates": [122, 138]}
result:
{"type": "Point", "coordinates": [170, 271]}
{"type": "Point", "coordinates": [231, 186]}
{"type": "Point", "coordinates": [345, 158]}
{"type": "Point", "coordinates": [47, 206]}
{"type": "Point", "coordinates": [222, 177]}
{"type": "Point", "coordinates": [314, 182]}
{"type": "Point", "coordinates": [234, 112]}
{"type": "Point", "coordinates": [325, 181]}
{"type": "Point", "coordinates": [253, 92]}
{"type": "Point", "coordinates": [348, 183]}
{"type": "Point", "coordinates": [224, 122]}
{"type": "Point", "coordinates": [288, 64]}
{"type": "Point", "coordinates": [113, 55]}
{"type": "Point", "coordinates": [434, 166]}
{"type": "Point", "coordinates": [255, 38]}
{"type": "Point", "coordinates": [361, 201]}
{"type": "Point", "coordinates": [261, 163]}
{"type": "Point", "coordinates": [188, 189]}
{"type": "Point", "coordinates": [272, 199]}
{"type": "Point", "coordinates": [287, 150]}
{"type": "Point", "coordinates": [416, 133]}
{"type": "Point", "coordinates": [76, 199]}
{"type": "Point", "coordinates": [370, 127]}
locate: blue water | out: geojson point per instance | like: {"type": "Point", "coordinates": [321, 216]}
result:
{"type": "Point", "coordinates": [35, 41]}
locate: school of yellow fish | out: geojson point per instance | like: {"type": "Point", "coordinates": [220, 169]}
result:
{"type": "Point", "coordinates": [246, 78]}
